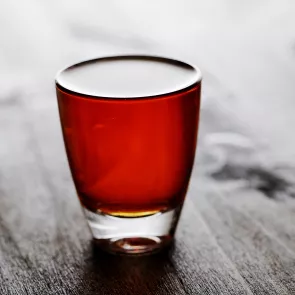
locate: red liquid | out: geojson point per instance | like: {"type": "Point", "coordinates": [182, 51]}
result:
{"type": "Point", "coordinates": [130, 157]}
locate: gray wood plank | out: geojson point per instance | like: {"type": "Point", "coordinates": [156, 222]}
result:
{"type": "Point", "coordinates": [276, 216]}
{"type": "Point", "coordinates": [212, 271]}
{"type": "Point", "coordinates": [262, 261]}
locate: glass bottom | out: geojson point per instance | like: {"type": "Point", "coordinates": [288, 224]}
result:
{"type": "Point", "coordinates": [133, 235]}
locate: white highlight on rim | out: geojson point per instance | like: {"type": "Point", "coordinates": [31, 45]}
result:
{"type": "Point", "coordinates": [128, 76]}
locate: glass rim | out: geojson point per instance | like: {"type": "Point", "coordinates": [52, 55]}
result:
{"type": "Point", "coordinates": [174, 61]}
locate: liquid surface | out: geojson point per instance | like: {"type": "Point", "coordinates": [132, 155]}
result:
{"type": "Point", "coordinates": [128, 77]}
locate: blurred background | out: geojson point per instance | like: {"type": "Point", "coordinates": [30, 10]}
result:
{"type": "Point", "coordinates": [246, 51]}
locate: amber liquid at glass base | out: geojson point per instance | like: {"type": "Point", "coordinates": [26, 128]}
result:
{"type": "Point", "coordinates": [130, 158]}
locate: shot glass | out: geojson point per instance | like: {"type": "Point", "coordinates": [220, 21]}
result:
{"type": "Point", "coordinates": [130, 128]}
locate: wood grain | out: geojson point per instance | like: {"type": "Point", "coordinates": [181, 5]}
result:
{"type": "Point", "coordinates": [236, 234]}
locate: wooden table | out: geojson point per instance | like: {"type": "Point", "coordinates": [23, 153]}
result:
{"type": "Point", "coordinates": [237, 229]}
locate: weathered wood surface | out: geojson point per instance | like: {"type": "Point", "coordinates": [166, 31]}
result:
{"type": "Point", "coordinates": [237, 230]}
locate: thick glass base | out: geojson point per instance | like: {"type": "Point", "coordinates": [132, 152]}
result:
{"type": "Point", "coordinates": [134, 235]}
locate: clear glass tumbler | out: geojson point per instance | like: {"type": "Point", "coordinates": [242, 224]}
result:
{"type": "Point", "coordinates": [130, 129]}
